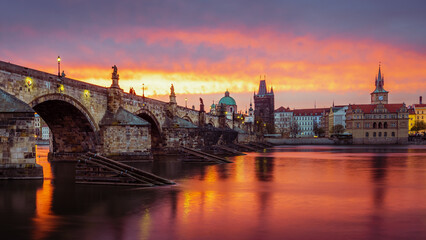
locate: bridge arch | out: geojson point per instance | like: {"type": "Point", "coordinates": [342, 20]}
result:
{"type": "Point", "coordinates": [148, 116]}
{"type": "Point", "coordinates": [187, 118]}
{"type": "Point", "coordinates": [73, 128]}
{"type": "Point", "coordinates": [211, 123]}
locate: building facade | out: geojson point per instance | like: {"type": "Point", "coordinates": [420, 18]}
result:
{"type": "Point", "coordinates": [378, 122]}
{"type": "Point", "coordinates": [308, 120]}
{"type": "Point", "coordinates": [336, 116]}
{"type": "Point", "coordinates": [419, 115]}
{"type": "Point", "coordinates": [283, 118]}
{"type": "Point", "coordinates": [264, 106]}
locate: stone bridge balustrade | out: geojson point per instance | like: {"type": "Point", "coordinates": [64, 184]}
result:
{"type": "Point", "coordinates": [74, 111]}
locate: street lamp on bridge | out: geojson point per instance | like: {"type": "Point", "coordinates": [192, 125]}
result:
{"type": "Point", "coordinates": [59, 66]}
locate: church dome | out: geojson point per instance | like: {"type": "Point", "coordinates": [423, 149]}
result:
{"type": "Point", "coordinates": [227, 100]}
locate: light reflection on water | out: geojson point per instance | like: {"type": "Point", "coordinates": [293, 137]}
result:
{"type": "Point", "coordinates": [293, 192]}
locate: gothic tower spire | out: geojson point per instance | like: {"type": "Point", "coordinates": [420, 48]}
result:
{"type": "Point", "coordinates": [379, 95]}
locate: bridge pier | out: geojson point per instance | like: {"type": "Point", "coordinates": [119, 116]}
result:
{"type": "Point", "coordinates": [17, 141]}
{"type": "Point", "coordinates": [123, 135]}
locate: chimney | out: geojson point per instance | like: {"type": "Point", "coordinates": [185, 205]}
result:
{"type": "Point", "coordinates": [420, 100]}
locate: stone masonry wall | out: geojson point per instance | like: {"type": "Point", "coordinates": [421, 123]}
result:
{"type": "Point", "coordinates": [17, 138]}
{"type": "Point", "coordinates": [17, 147]}
{"type": "Point", "coordinates": [125, 139]}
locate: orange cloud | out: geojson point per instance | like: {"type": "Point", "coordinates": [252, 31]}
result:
{"type": "Point", "coordinates": [292, 63]}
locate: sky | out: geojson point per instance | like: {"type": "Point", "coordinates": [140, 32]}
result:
{"type": "Point", "coordinates": [310, 52]}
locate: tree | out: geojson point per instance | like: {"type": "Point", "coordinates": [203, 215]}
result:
{"type": "Point", "coordinates": [294, 129]}
{"type": "Point", "coordinates": [418, 126]}
{"type": "Point", "coordinates": [319, 131]}
{"type": "Point", "coordinates": [338, 129]}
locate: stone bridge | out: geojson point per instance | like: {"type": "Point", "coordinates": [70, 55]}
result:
{"type": "Point", "coordinates": [86, 117]}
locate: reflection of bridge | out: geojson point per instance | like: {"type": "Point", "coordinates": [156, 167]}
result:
{"type": "Point", "coordinates": [85, 117]}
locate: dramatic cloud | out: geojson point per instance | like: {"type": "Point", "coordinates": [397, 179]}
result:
{"type": "Point", "coordinates": [318, 48]}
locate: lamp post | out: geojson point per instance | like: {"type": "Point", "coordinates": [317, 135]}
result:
{"type": "Point", "coordinates": [143, 89]}
{"type": "Point", "coordinates": [186, 102]}
{"type": "Point", "coordinates": [59, 66]}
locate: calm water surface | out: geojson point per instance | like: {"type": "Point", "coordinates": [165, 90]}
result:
{"type": "Point", "coordinates": [289, 192]}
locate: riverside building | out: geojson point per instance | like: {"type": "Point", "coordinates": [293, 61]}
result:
{"type": "Point", "coordinates": [378, 122]}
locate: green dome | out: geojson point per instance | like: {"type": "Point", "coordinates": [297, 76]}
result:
{"type": "Point", "coordinates": [227, 101]}
{"type": "Point", "coordinates": [213, 106]}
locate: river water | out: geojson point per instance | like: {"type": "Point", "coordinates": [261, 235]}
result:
{"type": "Point", "coordinates": [287, 192]}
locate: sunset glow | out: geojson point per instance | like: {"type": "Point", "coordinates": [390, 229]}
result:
{"type": "Point", "coordinates": [326, 59]}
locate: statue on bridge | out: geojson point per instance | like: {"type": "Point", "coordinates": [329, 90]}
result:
{"type": "Point", "coordinates": [201, 105]}
{"type": "Point", "coordinates": [114, 72]}
{"type": "Point", "coordinates": [172, 90]}
{"type": "Point", "coordinates": [115, 77]}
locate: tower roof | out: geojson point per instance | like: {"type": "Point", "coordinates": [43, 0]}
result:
{"type": "Point", "coordinates": [227, 100]}
{"type": "Point", "coordinates": [380, 82]}
{"type": "Point", "coordinates": [263, 89]}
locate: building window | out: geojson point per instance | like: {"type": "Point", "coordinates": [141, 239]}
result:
{"type": "Point", "coordinates": [393, 134]}
{"type": "Point", "coordinates": [366, 134]}
{"type": "Point", "coordinates": [385, 125]}
{"type": "Point", "coordinates": [380, 134]}
{"type": "Point", "coordinates": [357, 125]}
{"type": "Point", "coordinates": [374, 125]}
{"type": "Point", "coordinates": [374, 134]}
{"type": "Point", "coordinates": [380, 125]}
{"type": "Point", "coordinates": [385, 134]}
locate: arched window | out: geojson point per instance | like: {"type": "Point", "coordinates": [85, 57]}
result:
{"type": "Point", "coordinates": [366, 134]}
{"type": "Point", "coordinates": [380, 125]}
{"type": "Point", "coordinates": [374, 125]}
{"type": "Point", "coordinates": [385, 125]}
{"type": "Point", "coordinates": [374, 134]}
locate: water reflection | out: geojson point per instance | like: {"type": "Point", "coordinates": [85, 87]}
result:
{"type": "Point", "coordinates": [264, 168]}
{"type": "Point", "coordinates": [296, 192]}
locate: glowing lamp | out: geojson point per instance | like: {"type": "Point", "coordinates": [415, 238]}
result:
{"type": "Point", "coordinates": [61, 88]}
{"type": "Point", "coordinates": [29, 81]}
{"type": "Point", "coordinates": [86, 93]}
{"type": "Point", "coordinates": [59, 59]}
